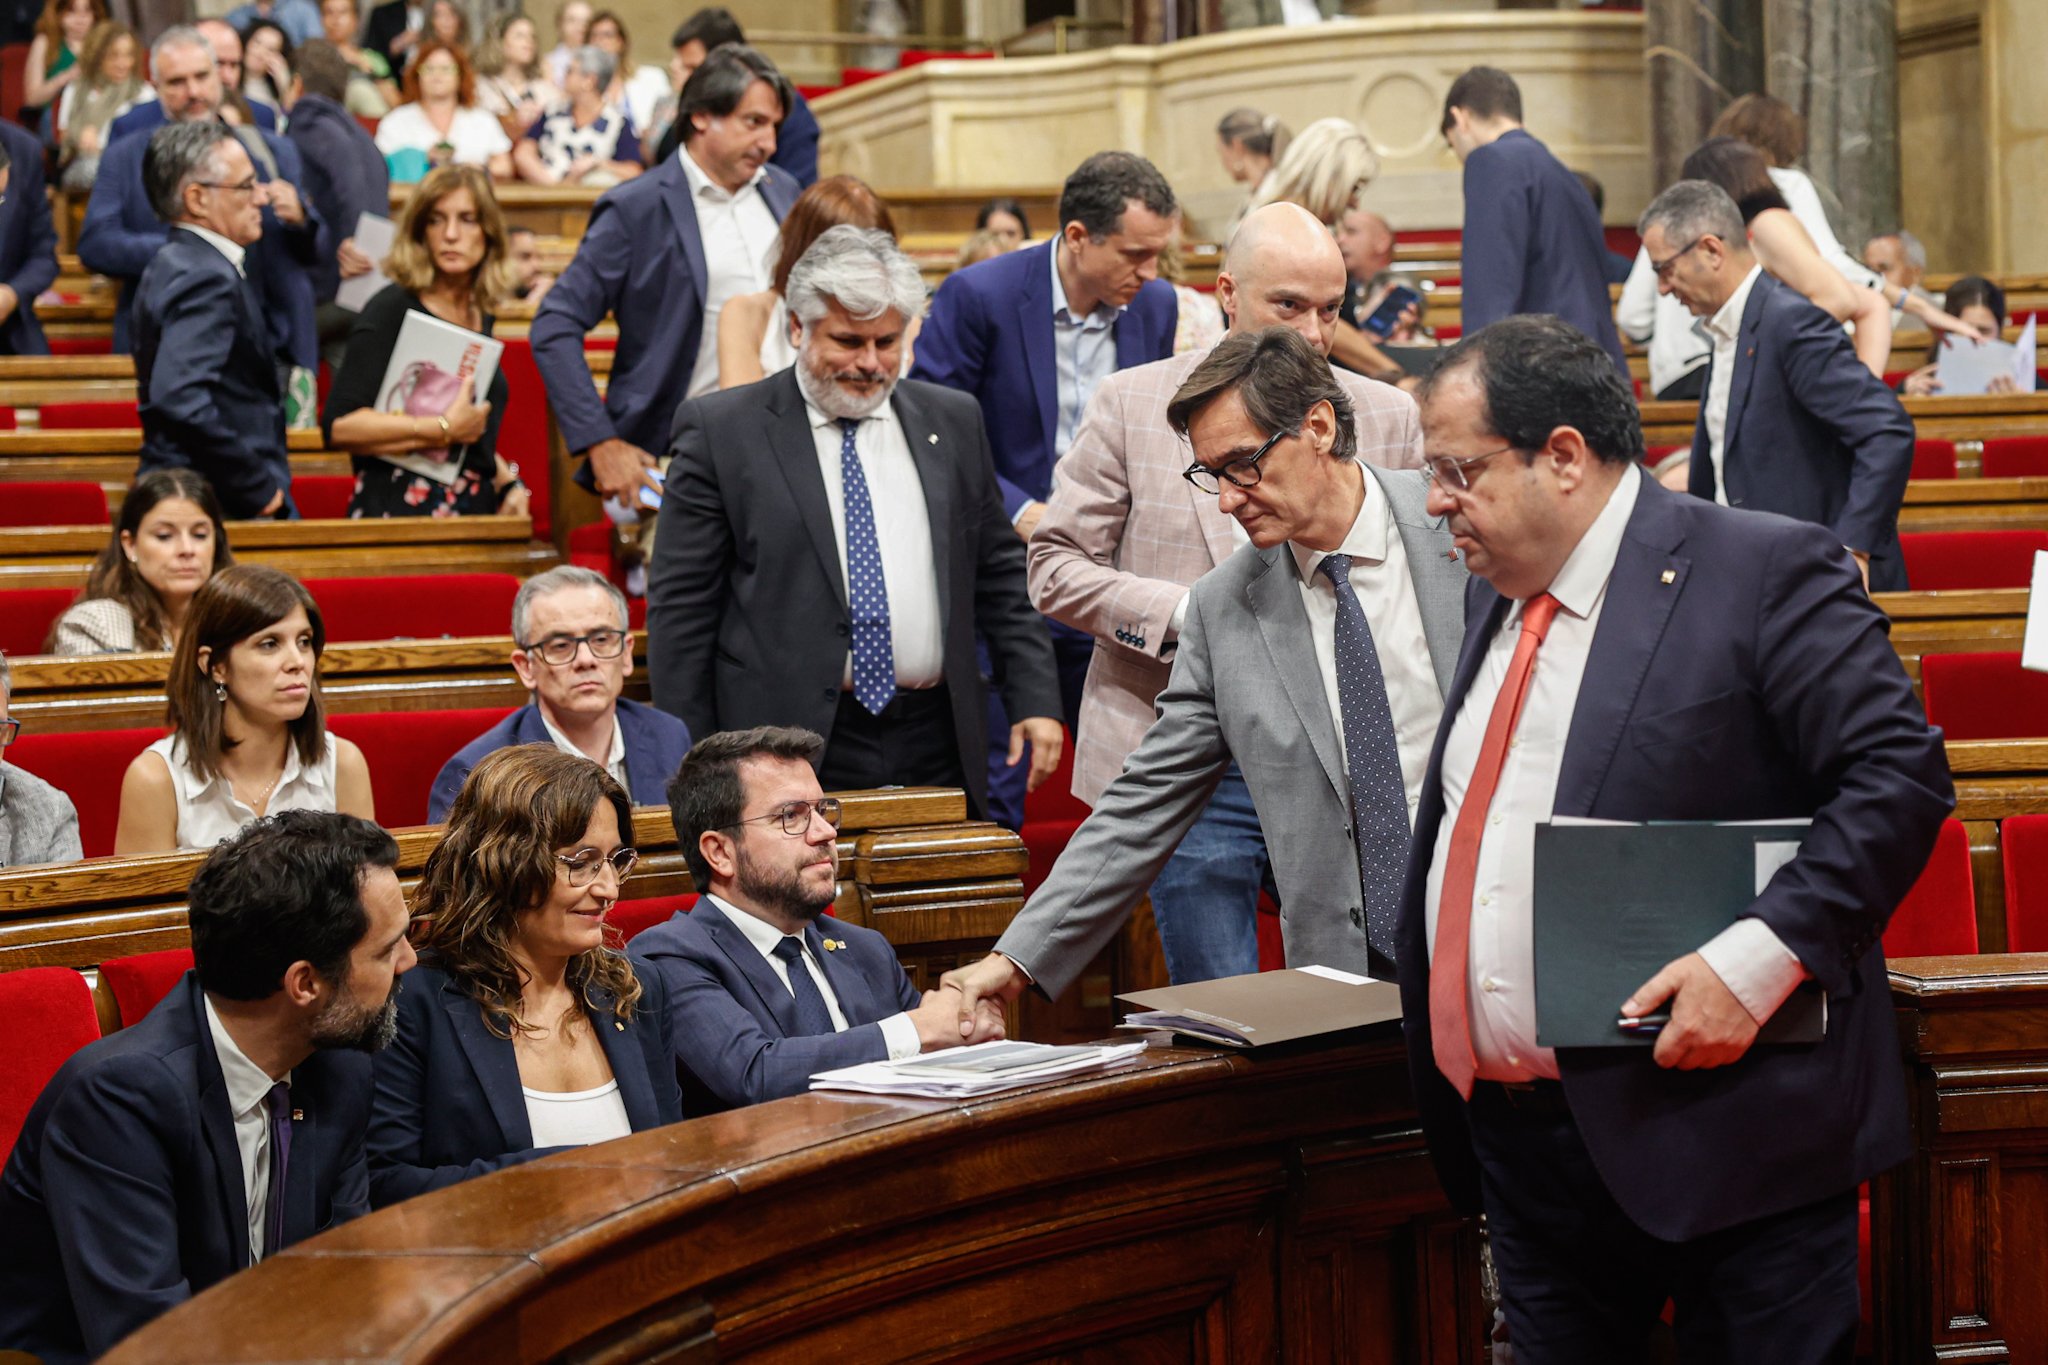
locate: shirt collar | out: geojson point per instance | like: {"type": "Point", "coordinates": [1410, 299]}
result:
{"type": "Point", "coordinates": [1726, 323]}
{"type": "Point", "coordinates": [821, 418]}
{"type": "Point", "coordinates": [757, 931]}
{"type": "Point", "coordinates": [1366, 540]}
{"type": "Point", "coordinates": [233, 251]}
{"type": "Point", "coordinates": [1103, 315]}
{"type": "Point", "coordinates": [702, 186]}
{"type": "Point", "coordinates": [293, 771]}
{"type": "Point", "coordinates": [248, 1084]}
{"type": "Point", "coordinates": [613, 757]}
{"type": "Point", "coordinates": [1583, 578]}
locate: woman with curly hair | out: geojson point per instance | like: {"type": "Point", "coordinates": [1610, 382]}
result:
{"type": "Point", "coordinates": [522, 1032]}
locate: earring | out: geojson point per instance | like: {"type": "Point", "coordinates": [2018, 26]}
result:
{"type": "Point", "coordinates": [220, 691]}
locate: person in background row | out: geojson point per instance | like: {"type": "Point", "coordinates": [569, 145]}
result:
{"type": "Point", "coordinates": [267, 65]}
{"type": "Point", "coordinates": [1249, 143]}
{"type": "Point", "coordinates": [440, 123]}
{"type": "Point", "coordinates": [235, 109]}
{"type": "Point", "coordinates": [1978, 302]}
{"type": "Point", "coordinates": [1900, 260]}
{"type": "Point", "coordinates": [38, 823]}
{"type": "Point", "coordinates": [28, 242]}
{"type": "Point", "coordinates": [572, 30]}
{"type": "Point", "coordinates": [1324, 170]}
{"type": "Point", "coordinates": [109, 84]}
{"type": "Point", "coordinates": [1199, 322]}
{"type": "Point", "coordinates": [168, 541]}
{"type": "Point", "coordinates": [635, 89]}
{"type": "Point", "coordinates": [345, 179]}
{"type": "Point", "coordinates": [796, 141]}
{"type": "Point", "coordinates": [977, 247]}
{"type": "Point", "coordinates": [447, 24]}
{"type": "Point", "coordinates": [299, 19]}
{"type": "Point", "coordinates": [531, 281]}
{"type": "Point", "coordinates": [370, 92]}
{"type": "Point", "coordinates": [52, 62]}
{"type": "Point", "coordinates": [394, 29]}
{"type": "Point", "coordinates": [524, 1033]}
{"type": "Point", "coordinates": [580, 139]}
{"type": "Point", "coordinates": [1367, 241]}
{"type": "Point", "coordinates": [1003, 219]}
{"type": "Point", "coordinates": [248, 729]}
{"type": "Point", "coordinates": [1618, 265]}
{"type": "Point", "coordinates": [512, 78]}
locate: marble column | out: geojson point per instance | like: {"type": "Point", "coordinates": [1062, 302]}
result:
{"type": "Point", "coordinates": [1836, 62]}
{"type": "Point", "coordinates": [1701, 54]}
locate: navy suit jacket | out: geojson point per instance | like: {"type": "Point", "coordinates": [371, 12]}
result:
{"type": "Point", "coordinates": [345, 177]}
{"type": "Point", "coordinates": [641, 260]}
{"type": "Point", "coordinates": [122, 233]}
{"type": "Point", "coordinates": [1533, 242]}
{"type": "Point", "coordinates": [205, 378]}
{"type": "Point", "coordinates": [123, 1196]}
{"type": "Point", "coordinates": [989, 333]}
{"type": "Point", "coordinates": [655, 744]}
{"type": "Point", "coordinates": [1754, 682]}
{"type": "Point", "coordinates": [448, 1100]}
{"type": "Point", "coordinates": [28, 243]}
{"type": "Point", "coordinates": [1811, 432]}
{"type": "Point", "coordinates": [734, 1021]}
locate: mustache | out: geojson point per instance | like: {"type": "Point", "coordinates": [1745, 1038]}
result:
{"type": "Point", "coordinates": [860, 376]}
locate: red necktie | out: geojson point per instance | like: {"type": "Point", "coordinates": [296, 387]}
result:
{"type": "Point", "coordinates": [1450, 1015]}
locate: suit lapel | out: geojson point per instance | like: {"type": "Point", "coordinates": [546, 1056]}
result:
{"type": "Point", "coordinates": [217, 1122]}
{"type": "Point", "coordinates": [856, 1001]}
{"type": "Point", "coordinates": [495, 1065]}
{"type": "Point", "coordinates": [1133, 346]}
{"type": "Point", "coordinates": [629, 1063]}
{"type": "Point", "coordinates": [774, 996]}
{"type": "Point", "coordinates": [1439, 581]}
{"type": "Point", "coordinates": [675, 192]}
{"type": "Point", "coordinates": [1744, 362]}
{"type": "Point", "coordinates": [935, 462]}
{"type": "Point", "coordinates": [1283, 622]}
{"type": "Point", "coordinates": [302, 1171]}
{"type": "Point", "coordinates": [796, 455]}
{"type": "Point", "coordinates": [1034, 319]}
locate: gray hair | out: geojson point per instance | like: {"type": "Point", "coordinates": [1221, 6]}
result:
{"type": "Point", "coordinates": [561, 578]}
{"type": "Point", "coordinates": [595, 63]}
{"type": "Point", "coordinates": [860, 269]}
{"type": "Point", "coordinates": [177, 155]}
{"type": "Point", "coordinates": [180, 35]}
{"type": "Point", "coordinates": [1913, 248]}
{"type": "Point", "coordinates": [1692, 209]}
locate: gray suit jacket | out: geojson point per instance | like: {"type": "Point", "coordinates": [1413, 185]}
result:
{"type": "Point", "coordinates": [1246, 688]}
{"type": "Point", "coordinates": [37, 822]}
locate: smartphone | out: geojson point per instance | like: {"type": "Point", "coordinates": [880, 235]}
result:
{"type": "Point", "coordinates": [1384, 318]}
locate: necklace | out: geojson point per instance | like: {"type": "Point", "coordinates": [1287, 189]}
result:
{"type": "Point", "coordinates": [263, 797]}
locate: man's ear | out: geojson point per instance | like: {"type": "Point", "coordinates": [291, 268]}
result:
{"type": "Point", "coordinates": [1226, 296]}
{"type": "Point", "coordinates": [720, 851]}
{"type": "Point", "coordinates": [303, 986]}
{"type": "Point", "coordinates": [1571, 458]}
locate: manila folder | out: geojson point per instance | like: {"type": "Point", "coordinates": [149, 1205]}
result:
{"type": "Point", "coordinates": [1261, 1008]}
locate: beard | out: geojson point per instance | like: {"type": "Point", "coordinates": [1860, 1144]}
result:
{"type": "Point", "coordinates": [781, 889]}
{"type": "Point", "coordinates": [824, 387]}
{"type": "Point", "coordinates": [348, 1023]}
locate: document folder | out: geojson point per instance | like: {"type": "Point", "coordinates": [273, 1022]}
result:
{"type": "Point", "coordinates": [1263, 1008]}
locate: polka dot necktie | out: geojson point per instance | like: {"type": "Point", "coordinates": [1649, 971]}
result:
{"type": "Point", "coordinates": [867, 591]}
{"type": "Point", "coordinates": [1372, 767]}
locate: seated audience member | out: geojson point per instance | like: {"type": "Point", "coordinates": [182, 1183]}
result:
{"type": "Point", "coordinates": [1199, 323]}
{"type": "Point", "coordinates": [440, 124]}
{"type": "Point", "coordinates": [530, 282]}
{"type": "Point", "coordinates": [109, 84]}
{"type": "Point", "coordinates": [1900, 259]}
{"type": "Point", "coordinates": [573, 652]}
{"type": "Point", "coordinates": [266, 65]}
{"type": "Point", "coordinates": [345, 178]}
{"type": "Point", "coordinates": [760, 999]}
{"type": "Point", "coordinates": [1324, 170]}
{"type": "Point", "coordinates": [167, 542]}
{"type": "Point", "coordinates": [580, 140]}
{"type": "Point", "coordinates": [1002, 218]}
{"type": "Point", "coordinates": [52, 64]}
{"type": "Point", "coordinates": [450, 262]}
{"type": "Point", "coordinates": [235, 108]}
{"type": "Point", "coordinates": [228, 1123]}
{"type": "Point", "coordinates": [523, 1033]}
{"type": "Point", "coordinates": [1366, 241]}
{"type": "Point", "coordinates": [1248, 143]}
{"type": "Point", "coordinates": [394, 29]}
{"type": "Point", "coordinates": [697, 37]}
{"type": "Point", "coordinates": [1978, 302]}
{"type": "Point", "coordinates": [572, 30]}
{"type": "Point", "coordinates": [370, 91]}
{"type": "Point", "coordinates": [635, 89]}
{"type": "Point", "coordinates": [205, 374]}
{"type": "Point", "coordinates": [298, 20]}
{"type": "Point", "coordinates": [981, 245]}
{"type": "Point", "coordinates": [38, 823]}
{"type": "Point", "coordinates": [753, 329]}
{"type": "Point", "coordinates": [248, 729]}
{"type": "Point", "coordinates": [28, 243]}
{"type": "Point", "coordinates": [512, 80]}
{"type": "Point", "coordinates": [448, 24]}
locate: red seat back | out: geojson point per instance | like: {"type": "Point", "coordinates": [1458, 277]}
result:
{"type": "Point", "coordinates": [1950, 561]}
{"type": "Point", "coordinates": [523, 432]}
{"type": "Point", "coordinates": [629, 918]}
{"type": "Point", "coordinates": [139, 982]}
{"type": "Point", "coordinates": [26, 615]}
{"type": "Point", "coordinates": [88, 416]}
{"type": "Point", "coordinates": [1051, 815]}
{"type": "Point", "coordinates": [1934, 460]}
{"type": "Point", "coordinates": [1938, 917]}
{"type": "Point", "coordinates": [46, 1014]}
{"type": "Point", "coordinates": [2023, 841]}
{"type": "Point", "coordinates": [53, 503]}
{"type": "Point", "coordinates": [87, 766]}
{"type": "Point", "coordinates": [2015, 457]}
{"type": "Point", "coordinates": [406, 750]}
{"type": "Point", "coordinates": [1984, 696]}
{"type": "Point", "coordinates": [323, 497]}
{"type": "Point", "coordinates": [419, 606]}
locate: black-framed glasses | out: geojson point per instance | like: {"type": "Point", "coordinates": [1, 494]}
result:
{"type": "Point", "coordinates": [1242, 472]}
{"type": "Point", "coordinates": [1450, 470]}
{"type": "Point", "coordinates": [560, 650]}
{"type": "Point", "coordinates": [795, 816]}
{"type": "Point", "coordinates": [245, 187]}
{"type": "Point", "coordinates": [1662, 269]}
{"type": "Point", "coordinates": [580, 868]}
{"type": "Point", "coordinates": [10, 730]}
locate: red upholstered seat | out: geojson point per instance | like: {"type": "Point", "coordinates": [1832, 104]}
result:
{"type": "Point", "coordinates": [323, 497]}
{"type": "Point", "coordinates": [1938, 917]}
{"type": "Point", "coordinates": [1272, 947]}
{"type": "Point", "coordinates": [2015, 457]}
{"type": "Point", "coordinates": [53, 503]}
{"type": "Point", "coordinates": [405, 751]}
{"type": "Point", "coordinates": [523, 434]}
{"type": "Point", "coordinates": [2023, 841]}
{"type": "Point", "coordinates": [46, 1014]}
{"type": "Point", "coordinates": [1051, 815]}
{"type": "Point", "coordinates": [88, 416]}
{"type": "Point", "coordinates": [100, 345]}
{"type": "Point", "coordinates": [1984, 696]}
{"type": "Point", "coordinates": [1948, 561]}
{"type": "Point", "coordinates": [139, 982]}
{"type": "Point", "coordinates": [1934, 459]}
{"type": "Point", "coordinates": [630, 917]}
{"type": "Point", "coordinates": [7, 419]}
{"type": "Point", "coordinates": [87, 766]}
{"type": "Point", "coordinates": [417, 607]}
{"type": "Point", "coordinates": [26, 615]}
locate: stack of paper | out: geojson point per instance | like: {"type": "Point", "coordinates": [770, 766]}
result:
{"type": "Point", "coordinates": [1965, 366]}
{"type": "Point", "coordinates": [964, 1073]}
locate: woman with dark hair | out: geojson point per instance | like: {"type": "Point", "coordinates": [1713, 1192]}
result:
{"type": "Point", "coordinates": [168, 540]}
{"type": "Point", "coordinates": [1003, 219]}
{"type": "Point", "coordinates": [1981, 304]}
{"type": "Point", "coordinates": [248, 731]}
{"type": "Point", "coordinates": [267, 64]}
{"type": "Point", "coordinates": [1250, 144]}
{"type": "Point", "coordinates": [523, 1031]}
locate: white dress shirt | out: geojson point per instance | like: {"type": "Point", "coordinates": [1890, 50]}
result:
{"type": "Point", "coordinates": [1724, 329]}
{"type": "Point", "coordinates": [1748, 956]}
{"type": "Point", "coordinates": [614, 760]}
{"type": "Point", "coordinates": [903, 530]}
{"type": "Point", "coordinates": [234, 251]}
{"type": "Point", "coordinates": [898, 1032]}
{"type": "Point", "coordinates": [248, 1086]}
{"type": "Point", "coordinates": [739, 234]}
{"type": "Point", "coordinates": [1379, 576]}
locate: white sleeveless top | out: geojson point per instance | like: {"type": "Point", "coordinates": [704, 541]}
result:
{"type": "Point", "coordinates": [777, 354]}
{"type": "Point", "coordinates": [576, 1118]}
{"type": "Point", "coordinates": [208, 809]}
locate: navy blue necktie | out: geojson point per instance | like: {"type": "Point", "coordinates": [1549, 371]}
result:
{"type": "Point", "coordinates": [279, 1103]}
{"type": "Point", "coordinates": [812, 1017]}
{"type": "Point", "coordinates": [1372, 763]}
{"type": "Point", "coordinates": [867, 591]}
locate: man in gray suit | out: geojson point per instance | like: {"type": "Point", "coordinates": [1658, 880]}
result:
{"type": "Point", "coordinates": [1315, 658]}
{"type": "Point", "coordinates": [37, 822]}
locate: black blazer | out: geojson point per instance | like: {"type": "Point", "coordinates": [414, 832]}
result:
{"type": "Point", "coordinates": [449, 1105]}
{"type": "Point", "coordinates": [1739, 672]}
{"type": "Point", "coordinates": [747, 621]}
{"type": "Point", "coordinates": [1811, 432]}
{"type": "Point", "coordinates": [28, 243]}
{"type": "Point", "coordinates": [206, 376]}
{"type": "Point", "coordinates": [123, 1197]}
{"type": "Point", "coordinates": [386, 22]}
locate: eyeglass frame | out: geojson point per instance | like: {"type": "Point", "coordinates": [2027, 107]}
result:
{"type": "Point", "coordinates": [10, 730]}
{"type": "Point", "coordinates": [538, 648]}
{"type": "Point", "coordinates": [1195, 472]}
{"type": "Point", "coordinates": [249, 186]}
{"type": "Point", "coordinates": [827, 808]}
{"type": "Point", "coordinates": [569, 868]}
{"type": "Point", "coordinates": [1433, 465]}
{"type": "Point", "coordinates": [1663, 271]}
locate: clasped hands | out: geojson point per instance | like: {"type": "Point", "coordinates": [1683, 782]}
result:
{"type": "Point", "coordinates": [1709, 1026]}
{"type": "Point", "coordinates": [945, 1019]}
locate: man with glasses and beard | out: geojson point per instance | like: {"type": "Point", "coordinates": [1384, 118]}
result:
{"type": "Point", "coordinates": [227, 1124]}
{"type": "Point", "coordinates": [760, 999]}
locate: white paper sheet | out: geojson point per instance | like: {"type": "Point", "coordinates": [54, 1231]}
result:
{"type": "Point", "coordinates": [373, 237]}
{"type": "Point", "coordinates": [2034, 648]}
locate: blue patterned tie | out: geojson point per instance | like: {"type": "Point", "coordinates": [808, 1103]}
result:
{"type": "Point", "coordinates": [867, 591]}
{"type": "Point", "coordinates": [1372, 763]}
{"type": "Point", "coordinates": [812, 1017]}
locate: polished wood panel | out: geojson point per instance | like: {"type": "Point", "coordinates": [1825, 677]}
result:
{"type": "Point", "coordinates": [1953, 622]}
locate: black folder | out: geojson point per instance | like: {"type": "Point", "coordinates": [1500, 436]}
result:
{"type": "Point", "coordinates": [1615, 903]}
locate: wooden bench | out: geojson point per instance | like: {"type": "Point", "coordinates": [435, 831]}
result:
{"type": "Point", "coordinates": [109, 457]}
{"type": "Point", "coordinates": [1951, 419]}
{"type": "Point", "coordinates": [1975, 505]}
{"type": "Point", "coordinates": [1953, 622]}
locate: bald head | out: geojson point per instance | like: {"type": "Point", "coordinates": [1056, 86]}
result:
{"type": "Point", "coordinates": [1283, 268]}
{"type": "Point", "coordinates": [1367, 241]}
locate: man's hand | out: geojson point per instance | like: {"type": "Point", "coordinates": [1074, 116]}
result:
{"type": "Point", "coordinates": [351, 259]}
{"type": "Point", "coordinates": [993, 979]}
{"type": "Point", "coordinates": [1709, 1026]}
{"type": "Point", "coordinates": [1862, 567]}
{"type": "Point", "coordinates": [1047, 739]}
{"type": "Point", "coordinates": [9, 301]}
{"type": "Point", "coordinates": [938, 1021]}
{"type": "Point", "coordinates": [276, 501]}
{"type": "Point", "coordinates": [284, 202]}
{"type": "Point", "coordinates": [1027, 521]}
{"type": "Point", "coordinates": [621, 469]}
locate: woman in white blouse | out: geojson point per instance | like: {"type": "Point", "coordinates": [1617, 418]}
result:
{"type": "Point", "coordinates": [522, 1031]}
{"type": "Point", "coordinates": [512, 78]}
{"type": "Point", "coordinates": [248, 732]}
{"type": "Point", "coordinates": [441, 120]}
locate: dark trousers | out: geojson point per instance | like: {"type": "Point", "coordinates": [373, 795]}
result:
{"type": "Point", "coordinates": [1581, 1284]}
{"type": "Point", "coordinates": [911, 744]}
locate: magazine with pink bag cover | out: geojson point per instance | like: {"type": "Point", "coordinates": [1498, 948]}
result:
{"type": "Point", "coordinates": [425, 373]}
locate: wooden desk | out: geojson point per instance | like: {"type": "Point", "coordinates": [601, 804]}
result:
{"type": "Point", "coordinates": [1975, 505]}
{"type": "Point", "coordinates": [1953, 622]}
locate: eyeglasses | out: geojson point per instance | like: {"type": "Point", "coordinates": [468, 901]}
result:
{"type": "Point", "coordinates": [246, 187]}
{"type": "Point", "coordinates": [560, 650]}
{"type": "Point", "coordinates": [10, 730]}
{"type": "Point", "coordinates": [1662, 269]}
{"type": "Point", "coordinates": [796, 815]}
{"type": "Point", "coordinates": [1449, 471]}
{"type": "Point", "coordinates": [580, 869]}
{"type": "Point", "coordinates": [1242, 472]}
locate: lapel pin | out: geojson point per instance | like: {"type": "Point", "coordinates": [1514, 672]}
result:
{"type": "Point", "coordinates": [1669, 576]}
{"type": "Point", "coordinates": [933, 438]}
{"type": "Point", "coordinates": [619, 1025]}
{"type": "Point", "coordinates": [298, 1116]}
{"type": "Point", "coordinates": [833, 945]}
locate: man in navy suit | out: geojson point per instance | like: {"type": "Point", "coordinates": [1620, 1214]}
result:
{"type": "Point", "coordinates": [573, 650]}
{"type": "Point", "coordinates": [762, 993]}
{"type": "Point", "coordinates": [1532, 241]}
{"type": "Point", "coordinates": [796, 141]}
{"type": "Point", "coordinates": [1632, 655]}
{"type": "Point", "coordinates": [662, 254]}
{"type": "Point", "coordinates": [229, 1123]}
{"type": "Point", "coordinates": [1791, 421]}
{"type": "Point", "coordinates": [28, 243]}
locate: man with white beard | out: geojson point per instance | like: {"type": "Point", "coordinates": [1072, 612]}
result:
{"type": "Point", "coordinates": [832, 538]}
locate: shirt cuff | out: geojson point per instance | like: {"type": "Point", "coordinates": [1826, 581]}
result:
{"type": "Point", "coordinates": [1029, 503]}
{"type": "Point", "coordinates": [1180, 616]}
{"type": "Point", "coordinates": [900, 1035]}
{"type": "Point", "coordinates": [1755, 965]}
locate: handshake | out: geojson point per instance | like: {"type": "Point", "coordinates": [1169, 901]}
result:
{"type": "Point", "coordinates": [946, 1019]}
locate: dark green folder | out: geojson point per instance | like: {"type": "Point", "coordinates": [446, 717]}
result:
{"type": "Point", "coordinates": [1615, 903]}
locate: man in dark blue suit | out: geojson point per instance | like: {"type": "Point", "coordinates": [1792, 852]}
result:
{"type": "Point", "coordinates": [1633, 655]}
{"type": "Point", "coordinates": [796, 141]}
{"type": "Point", "coordinates": [1791, 421]}
{"type": "Point", "coordinates": [228, 1124]}
{"type": "Point", "coordinates": [1532, 240]}
{"type": "Point", "coordinates": [648, 260]}
{"type": "Point", "coordinates": [762, 992]}
{"type": "Point", "coordinates": [345, 178]}
{"type": "Point", "coordinates": [28, 243]}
